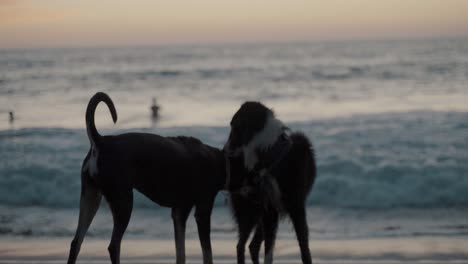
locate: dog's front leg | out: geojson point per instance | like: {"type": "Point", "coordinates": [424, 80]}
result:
{"type": "Point", "coordinates": [270, 227]}
{"type": "Point", "coordinates": [202, 216]}
{"type": "Point", "coordinates": [89, 204]}
{"type": "Point", "coordinates": [179, 217]}
{"type": "Point", "coordinates": [245, 224]}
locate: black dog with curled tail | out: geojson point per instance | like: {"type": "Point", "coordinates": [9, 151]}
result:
{"type": "Point", "coordinates": [175, 172]}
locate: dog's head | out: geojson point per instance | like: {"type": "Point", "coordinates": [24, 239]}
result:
{"type": "Point", "coordinates": [248, 121]}
{"type": "Point", "coordinates": [253, 128]}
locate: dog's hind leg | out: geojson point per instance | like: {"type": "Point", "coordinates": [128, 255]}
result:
{"type": "Point", "coordinates": [203, 218]}
{"type": "Point", "coordinates": [179, 217]}
{"type": "Point", "coordinates": [299, 220]}
{"type": "Point", "coordinates": [270, 227]}
{"type": "Point", "coordinates": [255, 244]}
{"type": "Point", "coordinates": [121, 205]}
{"type": "Point", "coordinates": [89, 204]}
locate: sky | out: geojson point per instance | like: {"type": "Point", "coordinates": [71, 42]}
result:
{"type": "Point", "coordinates": [77, 23]}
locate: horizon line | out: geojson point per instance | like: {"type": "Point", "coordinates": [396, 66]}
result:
{"type": "Point", "coordinates": [242, 42]}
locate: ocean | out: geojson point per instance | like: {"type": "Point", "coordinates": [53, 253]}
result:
{"type": "Point", "coordinates": [388, 119]}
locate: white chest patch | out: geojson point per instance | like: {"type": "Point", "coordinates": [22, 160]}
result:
{"type": "Point", "coordinates": [250, 158]}
{"type": "Point", "coordinates": [264, 139]}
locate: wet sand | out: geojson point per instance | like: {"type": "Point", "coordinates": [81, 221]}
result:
{"type": "Point", "coordinates": [382, 250]}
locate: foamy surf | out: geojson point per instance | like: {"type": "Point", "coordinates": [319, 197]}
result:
{"type": "Point", "coordinates": [410, 160]}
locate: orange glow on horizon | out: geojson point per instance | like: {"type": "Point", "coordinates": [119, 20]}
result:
{"type": "Point", "coordinates": [57, 23]}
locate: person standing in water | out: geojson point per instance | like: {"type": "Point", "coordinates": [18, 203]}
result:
{"type": "Point", "coordinates": [155, 110]}
{"type": "Point", "coordinates": [11, 118]}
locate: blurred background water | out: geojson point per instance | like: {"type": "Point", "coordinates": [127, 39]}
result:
{"type": "Point", "coordinates": [389, 121]}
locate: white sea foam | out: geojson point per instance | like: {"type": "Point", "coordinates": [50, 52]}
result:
{"type": "Point", "coordinates": [414, 159]}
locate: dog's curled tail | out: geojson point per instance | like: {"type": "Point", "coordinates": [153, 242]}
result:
{"type": "Point", "coordinates": [93, 134]}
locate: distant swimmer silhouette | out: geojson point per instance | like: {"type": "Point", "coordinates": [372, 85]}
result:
{"type": "Point", "coordinates": [11, 118]}
{"type": "Point", "coordinates": [155, 110]}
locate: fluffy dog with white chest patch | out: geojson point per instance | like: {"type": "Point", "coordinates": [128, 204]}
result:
{"type": "Point", "coordinates": [175, 172]}
{"type": "Point", "coordinates": [270, 172]}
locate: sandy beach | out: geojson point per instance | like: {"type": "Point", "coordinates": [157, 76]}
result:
{"type": "Point", "coordinates": [384, 250]}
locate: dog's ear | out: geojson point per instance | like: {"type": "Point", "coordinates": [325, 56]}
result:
{"type": "Point", "coordinates": [236, 135]}
{"type": "Point", "coordinates": [253, 124]}
{"type": "Point", "coordinates": [248, 121]}
{"type": "Point", "coordinates": [242, 131]}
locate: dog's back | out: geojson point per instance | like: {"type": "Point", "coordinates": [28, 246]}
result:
{"type": "Point", "coordinates": [296, 173]}
{"type": "Point", "coordinates": [171, 171]}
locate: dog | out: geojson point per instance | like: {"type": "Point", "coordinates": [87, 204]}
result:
{"type": "Point", "coordinates": [270, 172]}
{"type": "Point", "coordinates": [175, 172]}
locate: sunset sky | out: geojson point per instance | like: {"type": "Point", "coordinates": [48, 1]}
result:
{"type": "Point", "coordinates": [71, 23]}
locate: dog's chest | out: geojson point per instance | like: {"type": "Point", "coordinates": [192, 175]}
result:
{"type": "Point", "coordinates": [263, 142]}
{"type": "Point", "coordinates": [268, 158]}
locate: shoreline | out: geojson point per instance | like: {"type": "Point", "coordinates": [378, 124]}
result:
{"type": "Point", "coordinates": [372, 250]}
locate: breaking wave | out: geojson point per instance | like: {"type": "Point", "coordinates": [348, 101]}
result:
{"type": "Point", "coordinates": [406, 160]}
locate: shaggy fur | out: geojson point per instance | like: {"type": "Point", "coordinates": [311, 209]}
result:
{"type": "Point", "coordinates": [264, 185]}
